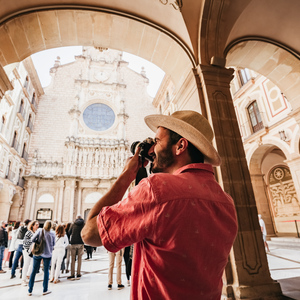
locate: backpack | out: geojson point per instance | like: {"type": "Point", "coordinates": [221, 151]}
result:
{"type": "Point", "coordinates": [39, 245]}
{"type": "Point", "coordinates": [21, 232]}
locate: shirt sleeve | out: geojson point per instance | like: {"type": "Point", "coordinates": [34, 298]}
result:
{"type": "Point", "coordinates": [130, 220]}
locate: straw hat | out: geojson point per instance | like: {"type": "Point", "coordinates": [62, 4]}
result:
{"type": "Point", "coordinates": [192, 126]}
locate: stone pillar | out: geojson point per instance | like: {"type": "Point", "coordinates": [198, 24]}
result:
{"type": "Point", "coordinates": [28, 199]}
{"type": "Point", "coordinates": [247, 273]}
{"type": "Point", "coordinates": [79, 201]}
{"type": "Point", "coordinates": [72, 200]}
{"type": "Point", "coordinates": [33, 200]}
{"type": "Point", "coordinates": [262, 201]}
{"type": "Point", "coordinates": [60, 201]}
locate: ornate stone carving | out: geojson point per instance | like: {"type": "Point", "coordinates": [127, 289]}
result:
{"type": "Point", "coordinates": [177, 4]}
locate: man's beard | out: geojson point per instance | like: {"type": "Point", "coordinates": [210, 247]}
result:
{"type": "Point", "coordinates": [163, 160]}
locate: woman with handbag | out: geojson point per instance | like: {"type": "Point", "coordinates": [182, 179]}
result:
{"type": "Point", "coordinates": [61, 242]}
{"type": "Point", "coordinates": [44, 241]}
{"type": "Point", "coordinates": [27, 266]}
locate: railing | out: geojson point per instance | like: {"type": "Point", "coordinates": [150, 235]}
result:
{"type": "Point", "coordinates": [296, 224]}
{"type": "Point", "coordinates": [10, 175]}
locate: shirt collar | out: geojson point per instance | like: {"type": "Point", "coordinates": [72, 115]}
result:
{"type": "Point", "coordinates": [196, 166]}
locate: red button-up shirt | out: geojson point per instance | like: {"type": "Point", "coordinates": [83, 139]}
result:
{"type": "Point", "coordinates": [183, 226]}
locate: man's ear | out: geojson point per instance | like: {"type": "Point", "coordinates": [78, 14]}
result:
{"type": "Point", "coordinates": [181, 146]}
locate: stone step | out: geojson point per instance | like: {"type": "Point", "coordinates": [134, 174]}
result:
{"type": "Point", "coordinates": [285, 242]}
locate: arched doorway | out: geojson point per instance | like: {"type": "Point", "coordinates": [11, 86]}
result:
{"type": "Point", "coordinates": [274, 189]}
{"type": "Point", "coordinates": [284, 202]}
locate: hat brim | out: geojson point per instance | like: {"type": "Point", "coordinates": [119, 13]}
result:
{"type": "Point", "coordinates": [187, 131]}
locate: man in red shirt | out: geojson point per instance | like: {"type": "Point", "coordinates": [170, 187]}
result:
{"type": "Point", "coordinates": [182, 223]}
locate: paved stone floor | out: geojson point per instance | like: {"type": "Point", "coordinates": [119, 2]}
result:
{"type": "Point", "coordinates": [284, 266]}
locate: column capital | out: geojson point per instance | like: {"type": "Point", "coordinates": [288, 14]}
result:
{"type": "Point", "coordinates": [210, 73]}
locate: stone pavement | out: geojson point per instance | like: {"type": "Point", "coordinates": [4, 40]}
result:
{"type": "Point", "coordinates": [92, 285]}
{"type": "Point", "coordinates": [284, 266]}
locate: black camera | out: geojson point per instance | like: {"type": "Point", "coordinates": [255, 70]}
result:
{"type": "Point", "coordinates": [145, 147]}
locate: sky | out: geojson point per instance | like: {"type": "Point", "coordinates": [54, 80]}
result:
{"type": "Point", "coordinates": [44, 60]}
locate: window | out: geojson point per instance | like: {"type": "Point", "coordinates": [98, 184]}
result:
{"type": "Point", "coordinates": [244, 75]}
{"type": "Point", "coordinates": [2, 124]}
{"type": "Point", "coordinates": [33, 98]}
{"type": "Point", "coordinates": [29, 124]}
{"type": "Point", "coordinates": [15, 143]}
{"type": "Point", "coordinates": [21, 109]}
{"type": "Point", "coordinates": [24, 153]}
{"type": "Point", "coordinates": [255, 118]}
{"type": "Point", "coordinates": [98, 117]}
{"type": "Point", "coordinates": [26, 83]}
{"type": "Point", "coordinates": [21, 181]}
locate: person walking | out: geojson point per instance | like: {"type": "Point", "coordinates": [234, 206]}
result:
{"type": "Point", "coordinates": [263, 231]}
{"type": "Point", "coordinates": [13, 244]}
{"type": "Point", "coordinates": [61, 242]}
{"type": "Point", "coordinates": [27, 256]}
{"type": "Point", "coordinates": [128, 254]}
{"type": "Point", "coordinates": [19, 252]}
{"type": "Point", "coordinates": [3, 243]}
{"type": "Point", "coordinates": [89, 251]}
{"type": "Point", "coordinates": [77, 247]}
{"type": "Point", "coordinates": [49, 242]}
{"type": "Point", "coordinates": [112, 257]}
{"type": "Point", "coordinates": [6, 250]}
{"type": "Point", "coordinates": [66, 260]}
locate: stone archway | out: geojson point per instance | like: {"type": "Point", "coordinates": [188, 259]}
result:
{"type": "Point", "coordinates": [262, 164]}
{"type": "Point", "coordinates": [32, 32]}
{"type": "Point", "coordinates": [274, 61]}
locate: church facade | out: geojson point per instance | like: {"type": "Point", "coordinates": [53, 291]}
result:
{"type": "Point", "coordinates": [90, 114]}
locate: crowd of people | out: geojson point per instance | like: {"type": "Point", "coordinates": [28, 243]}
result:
{"type": "Point", "coordinates": [63, 247]}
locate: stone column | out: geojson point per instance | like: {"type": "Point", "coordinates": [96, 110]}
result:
{"type": "Point", "coordinates": [28, 198]}
{"type": "Point", "coordinates": [33, 200]}
{"type": "Point", "coordinates": [79, 201]}
{"type": "Point", "coordinates": [262, 201]}
{"type": "Point", "coordinates": [60, 201]}
{"type": "Point", "coordinates": [247, 273]}
{"type": "Point", "coordinates": [72, 200]}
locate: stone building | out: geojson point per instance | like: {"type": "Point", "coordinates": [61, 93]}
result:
{"type": "Point", "coordinates": [18, 109]}
{"type": "Point", "coordinates": [87, 119]}
{"type": "Point", "coordinates": [270, 134]}
{"type": "Point", "coordinates": [196, 43]}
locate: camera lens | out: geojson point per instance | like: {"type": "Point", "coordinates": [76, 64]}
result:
{"type": "Point", "coordinates": [133, 147]}
{"type": "Point", "coordinates": [145, 147]}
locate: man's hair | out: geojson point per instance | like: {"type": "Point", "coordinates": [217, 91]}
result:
{"type": "Point", "coordinates": [195, 154]}
{"type": "Point", "coordinates": [27, 221]}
